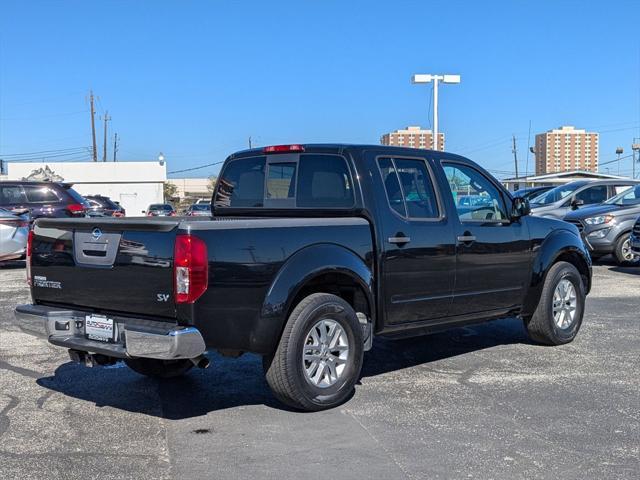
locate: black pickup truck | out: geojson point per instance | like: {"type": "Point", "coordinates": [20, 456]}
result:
{"type": "Point", "coordinates": [311, 251]}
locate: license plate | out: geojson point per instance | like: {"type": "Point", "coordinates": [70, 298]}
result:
{"type": "Point", "coordinates": [98, 327]}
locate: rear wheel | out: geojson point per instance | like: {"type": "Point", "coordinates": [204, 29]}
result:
{"type": "Point", "coordinates": [623, 253]}
{"type": "Point", "coordinates": [319, 357]}
{"type": "Point", "coordinates": [152, 367]}
{"type": "Point", "coordinates": [558, 316]}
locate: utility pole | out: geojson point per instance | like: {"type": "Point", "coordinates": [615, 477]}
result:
{"type": "Point", "coordinates": [93, 127]}
{"type": "Point", "coordinates": [635, 147]}
{"type": "Point", "coordinates": [115, 146]}
{"type": "Point", "coordinates": [250, 141]}
{"type": "Point", "coordinates": [106, 119]}
{"type": "Point", "coordinates": [514, 150]}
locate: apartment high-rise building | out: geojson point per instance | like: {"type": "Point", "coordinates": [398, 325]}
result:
{"type": "Point", "coordinates": [566, 149]}
{"type": "Point", "coordinates": [413, 137]}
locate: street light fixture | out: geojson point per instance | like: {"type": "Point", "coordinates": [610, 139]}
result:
{"type": "Point", "coordinates": [428, 78]}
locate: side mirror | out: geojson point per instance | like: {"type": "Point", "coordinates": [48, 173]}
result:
{"type": "Point", "coordinates": [144, 211]}
{"type": "Point", "coordinates": [521, 207]}
{"type": "Point", "coordinates": [576, 203]}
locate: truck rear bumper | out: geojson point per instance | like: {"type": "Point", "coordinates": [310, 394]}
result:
{"type": "Point", "coordinates": [133, 337]}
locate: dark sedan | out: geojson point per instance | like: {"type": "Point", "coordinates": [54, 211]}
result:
{"type": "Point", "coordinates": [101, 206]}
{"type": "Point", "coordinates": [160, 210]}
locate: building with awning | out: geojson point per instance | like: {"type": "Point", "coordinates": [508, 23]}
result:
{"type": "Point", "coordinates": [553, 179]}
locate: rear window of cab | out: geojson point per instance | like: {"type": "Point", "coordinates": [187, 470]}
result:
{"type": "Point", "coordinates": [304, 180]}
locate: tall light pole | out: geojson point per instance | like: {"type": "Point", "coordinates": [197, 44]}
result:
{"type": "Point", "coordinates": [428, 78]}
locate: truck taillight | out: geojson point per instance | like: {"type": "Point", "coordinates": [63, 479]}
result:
{"type": "Point", "coordinates": [283, 148]}
{"type": "Point", "coordinates": [190, 268]}
{"type": "Point", "coordinates": [29, 253]}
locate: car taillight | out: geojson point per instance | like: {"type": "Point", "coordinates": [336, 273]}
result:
{"type": "Point", "coordinates": [283, 148]}
{"type": "Point", "coordinates": [29, 253]}
{"type": "Point", "coordinates": [190, 268]}
{"type": "Point", "coordinates": [76, 208]}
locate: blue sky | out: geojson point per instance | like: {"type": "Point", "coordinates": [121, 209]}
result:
{"type": "Point", "coordinates": [195, 79]}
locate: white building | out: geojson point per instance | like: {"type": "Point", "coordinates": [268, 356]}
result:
{"type": "Point", "coordinates": [135, 185]}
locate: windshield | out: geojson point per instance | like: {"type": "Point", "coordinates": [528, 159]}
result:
{"type": "Point", "coordinates": [628, 197]}
{"type": "Point", "coordinates": [555, 194]}
{"type": "Point", "coordinates": [201, 207]}
{"type": "Point", "coordinates": [167, 208]}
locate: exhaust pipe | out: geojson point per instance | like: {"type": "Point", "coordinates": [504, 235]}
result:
{"type": "Point", "coordinates": [200, 361]}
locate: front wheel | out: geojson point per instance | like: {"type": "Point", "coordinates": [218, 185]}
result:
{"type": "Point", "coordinates": [558, 316]}
{"type": "Point", "coordinates": [623, 253]}
{"type": "Point", "coordinates": [319, 357]}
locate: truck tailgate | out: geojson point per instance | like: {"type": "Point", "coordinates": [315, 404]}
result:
{"type": "Point", "coordinates": [111, 265]}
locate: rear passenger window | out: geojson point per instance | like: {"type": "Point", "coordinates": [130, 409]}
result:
{"type": "Point", "coordinates": [11, 195]}
{"type": "Point", "coordinates": [40, 194]}
{"type": "Point", "coordinates": [409, 188]}
{"type": "Point", "coordinates": [392, 186]}
{"type": "Point", "coordinates": [324, 182]}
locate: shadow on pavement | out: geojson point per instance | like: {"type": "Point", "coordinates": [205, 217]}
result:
{"type": "Point", "coordinates": [229, 383]}
{"type": "Point", "coordinates": [628, 270]}
{"type": "Point", "coordinates": [12, 264]}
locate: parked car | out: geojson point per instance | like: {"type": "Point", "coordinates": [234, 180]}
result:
{"type": "Point", "coordinates": [606, 228]}
{"type": "Point", "coordinates": [316, 250]}
{"type": "Point", "coordinates": [14, 228]}
{"type": "Point", "coordinates": [43, 199]}
{"type": "Point", "coordinates": [559, 201]}
{"type": "Point", "coordinates": [532, 192]}
{"type": "Point", "coordinates": [199, 210]}
{"type": "Point", "coordinates": [634, 239]}
{"type": "Point", "coordinates": [101, 206]}
{"type": "Point", "coordinates": [160, 210]}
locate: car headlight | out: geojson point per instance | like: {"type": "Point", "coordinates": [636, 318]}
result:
{"type": "Point", "coordinates": [599, 233]}
{"type": "Point", "coordinates": [599, 220]}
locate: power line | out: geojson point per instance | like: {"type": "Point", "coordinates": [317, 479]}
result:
{"type": "Point", "coordinates": [58, 150]}
{"type": "Point", "coordinates": [47, 156]}
{"type": "Point", "coordinates": [196, 168]}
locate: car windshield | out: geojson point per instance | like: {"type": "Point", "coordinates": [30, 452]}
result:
{"type": "Point", "coordinates": [201, 207]}
{"type": "Point", "coordinates": [166, 208]}
{"type": "Point", "coordinates": [628, 197]}
{"type": "Point", "coordinates": [555, 194]}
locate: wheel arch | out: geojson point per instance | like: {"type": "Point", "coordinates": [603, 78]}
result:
{"type": "Point", "coordinates": [327, 268]}
{"type": "Point", "coordinates": [559, 246]}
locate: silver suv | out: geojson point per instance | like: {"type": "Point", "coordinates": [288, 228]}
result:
{"type": "Point", "coordinates": [559, 201]}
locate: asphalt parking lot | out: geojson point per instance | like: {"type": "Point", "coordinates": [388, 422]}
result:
{"type": "Point", "coordinates": [479, 402]}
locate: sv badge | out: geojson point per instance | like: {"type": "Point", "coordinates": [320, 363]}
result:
{"type": "Point", "coordinates": [162, 297]}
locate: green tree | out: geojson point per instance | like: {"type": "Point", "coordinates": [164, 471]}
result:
{"type": "Point", "coordinates": [170, 191]}
{"type": "Point", "coordinates": [212, 183]}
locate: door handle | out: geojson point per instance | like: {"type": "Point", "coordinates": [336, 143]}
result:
{"type": "Point", "coordinates": [399, 240]}
{"type": "Point", "coordinates": [466, 238]}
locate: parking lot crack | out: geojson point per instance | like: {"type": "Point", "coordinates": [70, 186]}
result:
{"type": "Point", "coordinates": [386, 451]}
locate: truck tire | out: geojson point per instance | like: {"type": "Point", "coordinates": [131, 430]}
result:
{"type": "Point", "coordinates": [319, 356]}
{"type": "Point", "coordinates": [623, 253]}
{"type": "Point", "coordinates": [155, 368]}
{"type": "Point", "coordinates": [558, 316]}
